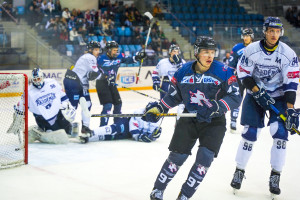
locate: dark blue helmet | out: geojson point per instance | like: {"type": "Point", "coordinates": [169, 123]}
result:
{"type": "Point", "coordinates": [93, 44]}
{"type": "Point", "coordinates": [273, 22]}
{"type": "Point", "coordinates": [37, 78]}
{"type": "Point", "coordinates": [204, 42]}
{"type": "Point", "coordinates": [174, 47]}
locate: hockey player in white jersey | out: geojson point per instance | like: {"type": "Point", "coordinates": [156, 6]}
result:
{"type": "Point", "coordinates": [165, 70]}
{"type": "Point", "coordinates": [126, 128]}
{"type": "Point", "coordinates": [269, 70]}
{"type": "Point", "coordinates": [77, 79]}
{"type": "Point", "coordinates": [51, 109]}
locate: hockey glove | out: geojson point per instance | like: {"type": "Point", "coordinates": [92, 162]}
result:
{"type": "Point", "coordinates": [152, 109]}
{"type": "Point", "coordinates": [292, 120]}
{"type": "Point", "coordinates": [93, 75]}
{"type": "Point", "coordinates": [156, 83]}
{"type": "Point", "coordinates": [111, 80]}
{"type": "Point", "coordinates": [207, 111]}
{"type": "Point", "coordinates": [68, 111]}
{"type": "Point", "coordinates": [140, 55]}
{"type": "Point", "coordinates": [263, 99]}
{"type": "Point", "coordinates": [177, 59]}
{"type": "Point", "coordinates": [156, 133]}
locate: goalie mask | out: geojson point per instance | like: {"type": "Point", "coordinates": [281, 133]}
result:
{"type": "Point", "coordinates": [37, 78]}
{"type": "Point", "coordinates": [247, 31]}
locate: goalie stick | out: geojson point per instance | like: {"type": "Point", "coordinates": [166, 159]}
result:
{"type": "Point", "coordinates": [282, 117]}
{"type": "Point", "coordinates": [141, 115]}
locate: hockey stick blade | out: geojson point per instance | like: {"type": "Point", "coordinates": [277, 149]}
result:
{"type": "Point", "coordinates": [282, 117]}
{"type": "Point", "coordinates": [141, 115]}
{"type": "Point", "coordinates": [146, 95]}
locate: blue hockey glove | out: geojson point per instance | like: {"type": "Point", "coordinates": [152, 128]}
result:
{"type": "Point", "coordinates": [207, 111]}
{"type": "Point", "coordinates": [144, 137]}
{"type": "Point", "coordinates": [156, 83]}
{"type": "Point", "coordinates": [111, 80]}
{"type": "Point", "coordinates": [140, 55]}
{"type": "Point", "coordinates": [176, 59]}
{"type": "Point", "coordinates": [263, 99]}
{"type": "Point", "coordinates": [152, 109]}
{"type": "Point", "coordinates": [292, 120]}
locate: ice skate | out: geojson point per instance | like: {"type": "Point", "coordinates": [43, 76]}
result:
{"type": "Point", "coordinates": [238, 177]}
{"type": "Point", "coordinates": [156, 194]}
{"type": "Point", "coordinates": [233, 127]}
{"type": "Point", "coordinates": [182, 197]}
{"type": "Point", "coordinates": [274, 184]}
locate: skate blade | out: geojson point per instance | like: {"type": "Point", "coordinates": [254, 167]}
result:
{"type": "Point", "coordinates": [232, 131]}
{"type": "Point", "coordinates": [273, 196]}
{"type": "Point", "coordinates": [235, 191]}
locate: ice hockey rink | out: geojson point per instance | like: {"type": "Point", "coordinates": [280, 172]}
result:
{"type": "Point", "coordinates": [126, 170]}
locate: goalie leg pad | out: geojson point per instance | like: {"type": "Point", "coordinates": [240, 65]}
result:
{"type": "Point", "coordinates": [17, 124]}
{"type": "Point", "coordinates": [33, 135]}
{"type": "Point", "coordinates": [52, 137]}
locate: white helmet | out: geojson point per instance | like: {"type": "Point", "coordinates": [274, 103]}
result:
{"type": "Point", "coordinates": [37, 78]}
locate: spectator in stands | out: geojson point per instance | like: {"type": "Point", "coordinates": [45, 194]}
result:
{"type": "Point", "coordinates": [132, 8]}
{"type": "Point", "coordinates": [66, 14]}
{"type": "Point", "coordinates": [74, 13]}
{"type": "Point", "coordinates": [138, 18]}
{"type": "Point", "coordinates": [88, 17]}
{"type": "Point", "coordinates": [165, 44]}
{"type": "Point", "coordinates": [151, 55]}
{"type": "Point", "coordinates": [98, 28]}
{"type": "Point", "coordinates": [161, 35]}
{"type": "Point", "coordinates": [30, 16]}
{"type": "Point", "coordinates": [159, 54]}
{"type": "Point", "coordinates": [103, 43]}
{"type": "Point", "coordinates": [138, 39]}
{"type": "Point", "coordinates": [54, 36]}
{"type": "Point", "coordinates": [57, 6]}
{"type": "Point", "coordinates": [157, 12]}
{"type": "Point", "coordinates": [174, 41]}
{"type": "Point", "coordinates": [79, 14]}
{"type": "Point", "coordinates": [131, 17]}
{"type": "Point", "coordinates": [64, 35]}
{"type": "Point", "coordinates": [50, 24]}
{"type": "Point", "coordinates": [71, 23]}
{"type": "Point", "coordinates": [50, 6]}
{"type": "Point", "coordinates": [44, 7]}
{"type": "Point", "coordinates": [105, 27]}
{"type": "Point", "coordinates": [226, 58]}
{"type": "Point", "coordinates": [124, 18]}
{"type": "Point", "coordinates": [73, 35]}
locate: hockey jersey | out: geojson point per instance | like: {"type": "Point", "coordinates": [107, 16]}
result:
{"type": "Point", "coordinates": [47, 100]}
{"type": "Point", "coordinates": [166, 68]}
{"type": "Point", "coordinates": [137, 125]}
{"type": "Point", "coordinates": [111, 66]}
{"type": "Point", "coordinates": [236, 53]}
{"type": "Point", "coordinates": [85, 64]}
{"type": "Point", "coordinates": [277, 72]}
{"type": "Point", "coordinates": [195, 89]}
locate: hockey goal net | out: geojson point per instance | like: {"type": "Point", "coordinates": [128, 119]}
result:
{"type": "Point", "coordinates": [13, 123]}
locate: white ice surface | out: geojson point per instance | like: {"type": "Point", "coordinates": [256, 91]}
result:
{"type": "Point", "coordinates": [126, 170]}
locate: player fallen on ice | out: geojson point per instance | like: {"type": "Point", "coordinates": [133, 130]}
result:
{"type": "Point", "coordinates": [76, 83]}
{"type": "Point", "coordinates": [236, 53]}
{"type": "Point", "coordinates": [208, 88]}
{"type": "Point", "coordinates": [51, 109]}
{"type": "Point", "coordinates": [269, 70]}
{"type": "Point", "coordinates": [126, 128]}
{"type": "Point", "coordinates": [107, 91]}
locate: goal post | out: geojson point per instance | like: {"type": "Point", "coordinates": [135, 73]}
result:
{"type": "Point", "coordinates": [13, 122]}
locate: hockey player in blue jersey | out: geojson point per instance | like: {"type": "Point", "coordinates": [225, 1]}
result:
{"type": "Point", "coordinates": [107, 91]}
{"type": "Point", "coordinates": [77, 79]}
{"type": "Point", "coordinates": [269, 70]}
{"type": "Point", "coordinates": [236, 53]}
{"type": "Point", "coordinates": [208, 88]}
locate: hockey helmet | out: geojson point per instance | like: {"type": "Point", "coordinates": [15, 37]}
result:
{"type": "Point", "coordinates": [93, 44]}
{"type": "Point", "coordinates": [204, 42]}
{"type": "Point", "coordinates": [174, 47]}
{"type": "Point", "coordinates": [273, 22]}
{"type": "Point", "coordinates": [111, 44]}
{"type": "Point", "coordinates": [37, 78]}
{"type": "Point", "coordinates": [247, 31]}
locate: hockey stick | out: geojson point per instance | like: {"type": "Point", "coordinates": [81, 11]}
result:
{"type": "Point", "coordinates": [160, 90]}
{"type": "Point", "coordinates": [282, 117]}
{"type": "Point", "coordinates": [141, 115]}
{"type": "Point", "coordinates": [149, 15]}
{"type": "Point", "coordinates": [146, 95]}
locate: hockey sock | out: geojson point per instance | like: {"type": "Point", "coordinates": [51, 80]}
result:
{"type": "Point", "coordinates": [85, 115]}
{"type": "Point", "coordinates": [169, 170]}
{"type": "Point", "coordinates": [244, 153]}
{"type": "Point", "coordinates": [103, 133]}
{"type": "Point", "coordinates": [198, 171]}
{"type": "Point", "coordinates": [106, 109]}
{"type": "Point", "coordinates": [278, 154]}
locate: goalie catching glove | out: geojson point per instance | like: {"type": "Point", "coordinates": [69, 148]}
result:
{"type": "Point", "coordinates": [68, 111]}
{"type": "Point", "coordinates": [152, 109]}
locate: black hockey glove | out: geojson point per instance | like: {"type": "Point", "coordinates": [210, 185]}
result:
{"type": "Point", "coordinates": [156, 133]}
{"type": "Point", "coordinates": [292, 120]}
{"type": "Point", "coordinates": [144, 137]}
{"type": "Point", "coordinates": [207, 111]}
{"type": "Point", "coordinates": [140, 55]}
{"type": "Point", "coordinates": [111, 79]}
{"type": "Point", "coordinates": [263, 99]}
{"type": "Point", "coordinates": [93, 75]}
{"type": "Point", "coordinates": [156, 83]}
{"type": "Point", "coordinates": [152, 109]}
{"type": "Point", "coordinates": [177, 59]}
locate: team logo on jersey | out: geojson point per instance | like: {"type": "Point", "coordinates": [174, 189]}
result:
{"type": "Point", "coordinates": [188, 79]}
{"type": "Point", "coordinates": [135, 124]}
{"type": "Point", "coordinates": [292, 75]}
{"type": "Point", "coordinates": [172, 167]}
{"type": "Point", "coordinates": [209, 79]}
{"type": "Point", "coordinates": [232, 79]}
{"type": "Point", "coordinates": [199, 98]}
{"type": "Point", "coordinates": [46, 100]}
{"type": "Point", "coordinates": [266, 72]}
{"type": "Point", "coordinates": [201, 170]}
{"type": "Point", "coordinates": [109, 63]}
